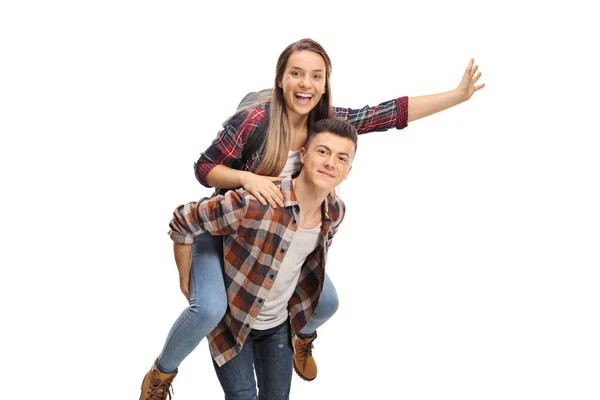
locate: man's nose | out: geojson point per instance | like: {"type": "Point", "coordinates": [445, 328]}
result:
{"type": "Point", "coordinates": [329, 162]}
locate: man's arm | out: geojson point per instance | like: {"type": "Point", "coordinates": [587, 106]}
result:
{"type": "Point", "coordinates": [219, 215]}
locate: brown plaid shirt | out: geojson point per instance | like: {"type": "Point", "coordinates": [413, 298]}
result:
{"type": "Point", "coordinates": [256, 238]}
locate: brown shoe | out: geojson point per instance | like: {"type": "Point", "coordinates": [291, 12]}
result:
{"type": "Point", "coordinates": [156, 385]}
{"type": "Point", "coordinates": [304, 363]}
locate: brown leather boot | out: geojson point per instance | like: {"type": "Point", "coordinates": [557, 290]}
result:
{"type": "Point", "coordinates": [156, 385]}
{"type": "Point", "coordinates": [304, 363]}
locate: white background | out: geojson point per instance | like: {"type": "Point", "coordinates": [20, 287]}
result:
{"type": "Point", "coordinates": [467, 267]}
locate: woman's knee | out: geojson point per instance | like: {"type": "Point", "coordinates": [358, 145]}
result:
{"type": "Point", "coordinates": [208, 312]}
{"type": "Point", "coordinates": [329, 301]}
{"type": "Point", "coordinates": [208, 301]}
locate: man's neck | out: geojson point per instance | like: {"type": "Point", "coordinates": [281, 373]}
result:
{"type": "Point", "coordinates": [310, 200]}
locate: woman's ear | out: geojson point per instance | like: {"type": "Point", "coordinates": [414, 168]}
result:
{"type": "Point", "coordinates": [302, 155]}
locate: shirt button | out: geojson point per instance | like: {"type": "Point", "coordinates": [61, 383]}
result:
{"type": "Point", "coordinates": [272, 276]}
{"type": "Point", "coordinates": [260, 300]}
{"type": "Point", "coordinates": [247, 325]}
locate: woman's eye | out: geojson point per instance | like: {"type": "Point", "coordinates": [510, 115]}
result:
{"type": "Point", "coordinates": [317, 77]}
{"type": "Point", "coordinates": [295, 73]}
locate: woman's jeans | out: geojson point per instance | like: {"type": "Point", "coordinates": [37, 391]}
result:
{"type": "Point", "coordinates": [208, 303]}
{"type": "Point", "coordinates": [269, 353]}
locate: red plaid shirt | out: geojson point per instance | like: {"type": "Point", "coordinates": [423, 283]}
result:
{"type": "Point", "coordinates": [256, 238]}
{"type": "Point", "coordinates": [230, 141]}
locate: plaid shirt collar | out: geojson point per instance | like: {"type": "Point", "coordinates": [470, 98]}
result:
{"type": "Point", "coordinates": [290, 199]}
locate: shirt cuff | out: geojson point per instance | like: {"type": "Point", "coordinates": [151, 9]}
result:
{"type": "Point", "coordinates": [402, 108]}
{"type": "Point", "coordinates": [201, 171]}
{"type": "Point", "coordinates": [181, 239]}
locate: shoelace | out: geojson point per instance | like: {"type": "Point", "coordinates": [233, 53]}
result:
{"type": "Point", "coordinates": [165, 394]}
{"type": "Point", "coordinates": [305, 349]}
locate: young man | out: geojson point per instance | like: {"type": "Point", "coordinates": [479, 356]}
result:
{"type": "Point", "coordinates": [274, 266]}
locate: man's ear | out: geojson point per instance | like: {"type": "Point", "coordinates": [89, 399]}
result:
{"type": "Point", "coordinates": [302, 154]}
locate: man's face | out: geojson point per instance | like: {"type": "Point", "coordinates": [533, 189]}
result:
{"type": "Point", "coordinates": [327, 160]}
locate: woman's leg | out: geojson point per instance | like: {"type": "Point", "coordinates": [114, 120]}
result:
{"type": "Point", "coordinates": [304, 362]}
{"type": "Point", "coordinates": [328, 305]}
{"type": "Point", "coordinates": [208, 303]}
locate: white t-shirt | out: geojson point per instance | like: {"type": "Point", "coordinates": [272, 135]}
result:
{"type": "Point", "coordinates": [275, 311]}
{"type": "Point", "coordinates": [293, 163]}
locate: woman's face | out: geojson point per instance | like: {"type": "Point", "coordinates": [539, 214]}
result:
{"type": "Point", "coordinates": [303, 82]}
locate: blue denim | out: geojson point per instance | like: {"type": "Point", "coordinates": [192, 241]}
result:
{"type": "Point", "coordinates": [328, 305]}
{"type": "Point", "coordinates": [269, 353]}
{"type": "Point", "coordinates": [208, 303]}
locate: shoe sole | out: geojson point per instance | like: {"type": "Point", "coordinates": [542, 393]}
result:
{"type": "Point", "coordinates": [301, 376]}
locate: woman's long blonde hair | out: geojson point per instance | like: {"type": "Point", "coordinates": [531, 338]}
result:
{"type": "Point", "coordinates": [276, 147]}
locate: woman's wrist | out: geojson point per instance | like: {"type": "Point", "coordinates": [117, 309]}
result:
{"type": "Point", "coordinates": [243, 177]}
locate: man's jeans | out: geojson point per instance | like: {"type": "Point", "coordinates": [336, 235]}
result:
{"type": "Point", "coordinates": [270, 354]}
{"type": "Point", "coordinates": [208, 303]}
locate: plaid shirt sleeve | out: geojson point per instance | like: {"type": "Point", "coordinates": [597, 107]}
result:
{"type": "Point", "coordinates": [217, 215]}
{"type": "Point", "coordinates": [387, 115]}
{"type": "Point", "coordinates": [228, 145]}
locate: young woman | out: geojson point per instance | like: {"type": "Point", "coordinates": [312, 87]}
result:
{"type": "Point", "coordinates": [301, 95]}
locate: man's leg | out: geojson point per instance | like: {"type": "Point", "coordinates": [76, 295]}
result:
{"type": "Point", "coordinates": [237, 375]}
{"type": "Point", "coordinates": [273, 359]}
{"type": "Point", "coordinates": [304, 363]}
